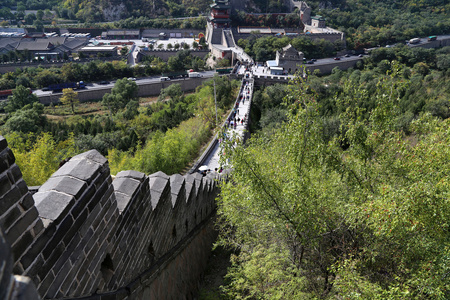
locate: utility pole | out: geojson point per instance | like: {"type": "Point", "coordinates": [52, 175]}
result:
{"type": "Point", "coordinates": [215, 98]}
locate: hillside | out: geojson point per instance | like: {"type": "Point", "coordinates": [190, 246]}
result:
{"type": "Point", "coordinates": [371, 23]}
{"type": "Point", "coordinates": [112, 10]}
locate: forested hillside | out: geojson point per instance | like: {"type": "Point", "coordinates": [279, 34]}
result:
{"type": "Point", "coordinates": [370, 23]}
{"type": "Point", "coordinates": [344, 192]}
{"type": "Point", "coordinates": [111, 10]}
{"type": "Point", "coordinates": [163, 135]}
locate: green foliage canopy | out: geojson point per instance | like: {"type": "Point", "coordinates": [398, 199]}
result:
{"type": "Point", "coordinates": [362, 215]}
{"type": "Point", "coordinates": [21, 96]}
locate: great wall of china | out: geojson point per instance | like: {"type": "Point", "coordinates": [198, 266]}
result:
{"type": "Point", "coordinates": [86, 236]}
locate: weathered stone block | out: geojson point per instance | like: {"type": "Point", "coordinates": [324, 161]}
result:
{"type": "Point", "coordinates": [122, 201]}
{"type": "Point", "coordinates": [5, 184]}
{"type": "Point", "coordinates": [53, 205]}
{"type": "Point", "coordinates": [159, 174]}
{"type": "Point", "coordinates": [103, 177]}
{"type": "Point", "coordinates": [21, 225]}
{"type": "Point", "coordinates": [64, 289]}
{"type": "Point", "coordinates": [15, 172]}
{"type": "Point", "coordinates": [97, 197]}
{"type": "Point", "coordinates": [33, 268]}
{"type": "Point", "coordinates": [75, 227]}
{"type": "Point", "coordinates": [158, 185]}
{"type": "Point", "coordinates": [23, 188]}
{"type": "Point", "coordinates": [9, 199]}
{"type": "Point", "coordinates": [45, 284]}
{"type": "Point", "coordinates": [4, 165]}
{"type": "Point", "coordinates": [82, 202]}
{"type": "Point", "coordinates": [27, 202]}
{"type": "Point", "coordinates": [9, 155]}
{"type": "Point", "coordinates": [92, 155]}
{"type": "Point", "coordinates": [38, 227]}
{"type": "Point", "coordinates": [10, 217]}
{"type": "Point", "coordinates": [82, 169]}
{"type": "Point", "coordinates": [53, 244]}
{"type": "Point", "coordinates": [127, 186]}
{"type": "Point", "coordinates": [3, 143]}
{"type": "Point", "coordinates": [21, 245]}
{"type": "Point", "coordinates": [59, 278]}
{"type": "Point", "coordinates": [64, 184]}
{"type": "Point", "coordinates": [131, 174]}
{"type": "Point", "coordinates": [72, 244]}
{"type": "Point", "coordinates": [177, 187]}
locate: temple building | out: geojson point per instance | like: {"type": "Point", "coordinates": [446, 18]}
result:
{"type": "Point", "coordinates": [220, 14]}
{"type": "Point", "coordinates": [287, 61]}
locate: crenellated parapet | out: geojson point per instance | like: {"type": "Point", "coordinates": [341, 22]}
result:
{"type": "Point", "coordinates": [83, 234]}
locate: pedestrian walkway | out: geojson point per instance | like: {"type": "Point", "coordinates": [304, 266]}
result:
{"type": "Point", "coordinates": [235, 125]}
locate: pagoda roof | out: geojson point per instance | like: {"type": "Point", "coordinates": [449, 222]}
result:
{"type": "Point", "coordinates": [220, 5]}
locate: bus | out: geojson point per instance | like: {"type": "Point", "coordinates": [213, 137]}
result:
{"type": "Point", "coordinates": [224, 70]}
{"type": "Point", "coordinates": [432, 38]}
{"type": "Point", "coordinates": [4, 94]}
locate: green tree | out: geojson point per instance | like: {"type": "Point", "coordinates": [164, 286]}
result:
{"type": "Point", "coordinates": [40, 14]}
{"type": "Point", "coordinates": [39, 25]}
{"type": "Point", "coordinates": [30, 18]}
{"type": "Point", "coordinates": [69, 97]}
{"type": "Point", "coordinates": [27, 119]}
{"type": "Point", "coordinates": [362, 215]}
{"type": "Point", "coordinates": [21, 96]}
{"type": "Point", "coordinates": [39, 161]}
{"type": "Point", "coordinates": [124, 90]}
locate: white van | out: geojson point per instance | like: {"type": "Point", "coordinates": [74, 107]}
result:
{"type": "Point", "coordinates": [194, 75]}
{"type": "Point", "coordinates": [165, 78]}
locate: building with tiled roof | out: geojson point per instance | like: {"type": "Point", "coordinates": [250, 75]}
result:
{"type": "Point", "coordinates": [287, 60]}
{"type": "Point", "coordinates": [220, 14]}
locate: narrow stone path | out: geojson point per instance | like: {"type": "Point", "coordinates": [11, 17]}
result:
{"type": "Point", "coordinates": [240, 115]}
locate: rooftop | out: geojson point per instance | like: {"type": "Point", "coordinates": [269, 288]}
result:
{"type": "Point", "coordinates": [272, 63]}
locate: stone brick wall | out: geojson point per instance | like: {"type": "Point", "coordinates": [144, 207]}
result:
{"type": "Point", "coordinates": [145, 90]}
{"type": "Point", "coordinates": [85, 235]}
{"type": "Point", "coordinates": [165, 54]}
{"type": "Point", "coordinates": [18, 215]}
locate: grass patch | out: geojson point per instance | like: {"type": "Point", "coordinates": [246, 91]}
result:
{"type": "Point", "coordinates": [80, 109]}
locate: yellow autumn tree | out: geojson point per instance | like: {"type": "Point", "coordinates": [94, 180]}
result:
{"type": "Point", "coordinates": [69, 97]}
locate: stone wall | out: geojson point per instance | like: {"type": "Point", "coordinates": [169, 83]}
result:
{"type": "Point", "coordinates": [11, 67]}
{"type": "Point", "coordinates": [342, 64]}
{"type": "Point", "coordinates": [85, 235]}
{"type": "Point", "coordinates": [165, 54]}
{"type": "Point", "coordinates": [145, 90]}
{"type": "Point", "coordinates": [328, 36]}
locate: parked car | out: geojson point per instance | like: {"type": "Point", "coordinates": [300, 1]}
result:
{"type": "Point", "coordinates": [360, 55]}
{"type": "Point", "coordinates": [347, 55]}
{"type": "Point", "coordinates": [310, 62]}
{"type": "Point", "coordinates": [104, 82]}
{"type": "Point", "coordinates": [132, 78]}
{"type": "Point", "coordinates": [337, 58]}
{"type": "Point", "coordinates": [165, 78]}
